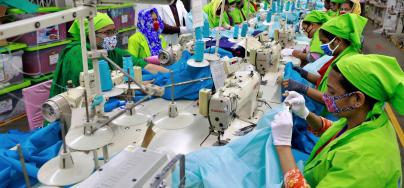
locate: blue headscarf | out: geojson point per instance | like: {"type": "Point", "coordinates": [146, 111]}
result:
{"type": "Point", "coordinates": [145, 26]}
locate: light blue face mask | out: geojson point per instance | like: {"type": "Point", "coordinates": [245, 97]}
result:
{"type": "Point", "coordinates": [327, 49]}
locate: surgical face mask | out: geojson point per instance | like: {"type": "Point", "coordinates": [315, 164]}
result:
{"type": "Point", "coordinates": [331, 104]}
{"type": "Point", "coordinates": [231, 9]}
{"type": "Point", "coordinates": [109, 43]}
{"type": "Point", "coordinates": [327, 49]}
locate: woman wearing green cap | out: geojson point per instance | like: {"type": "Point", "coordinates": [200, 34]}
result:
{"type": "Point", "coordinates": [148, 41]}
{"type": "Point", "coordinates": [334, 7]}
{"type": "Point", "coordinates": [213, 11]}
{"type": "Point", "coordinates": [340, 38]}
{"type": "Point", "coordinates": [241, 12]}
{"type": "Point", "coordinates": [360, 149]}
{"type": "Point", "coordinates": [311, 25]}
{"type": "Point", "coordinates": [69, 64]}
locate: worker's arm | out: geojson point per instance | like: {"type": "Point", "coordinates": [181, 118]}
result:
{"type": "Point", "coordinates": [312, 78]}
{"type": "Point", "coordinates": [299, 54]}
{"type": "Point", "coordinates": [315, 95]}
{"type": "Point", "coordinates": [286, 158]}
{"type": "Point", "coordinates": [155, 68]}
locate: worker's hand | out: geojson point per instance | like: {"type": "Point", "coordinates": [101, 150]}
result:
{"type": "Point", "coordinates": [301, 71]}
{"type": "Point", "coordinates": [297, 102]}
{"type": "Point", "coordinates": [281, 128]}
{"type": "Point", "coordinates": [292, 85]}
{"type": "Point", "coordinates": [296, 53]}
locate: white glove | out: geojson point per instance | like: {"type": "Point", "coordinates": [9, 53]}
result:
{"type": "Point", "coordinates": [296, 100]}
{"type": "Point", "coordinates": [282, 128]}
{"type": "Point", "coordinates": [287, 52]}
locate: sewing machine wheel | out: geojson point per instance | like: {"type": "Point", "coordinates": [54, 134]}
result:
{"type": "Point", "coordinates": [183, 120]}
{"type": "Point", "coordinates": [52, 174]}
{"type": "Point", "coordinates": [77, 140]}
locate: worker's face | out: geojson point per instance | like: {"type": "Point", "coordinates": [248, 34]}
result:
{"type": "Point", "coordinates": [345, 8]}
{"type": "Point", "coordinates": [310, 29]}
{"type": "Point", "coordinates": [156, 23]}
{"type": "Point", "coordinates": [334, 6]}
{"type": "Point", "coordinates": [232, 6]}
{"type": "Point", "coordinates": [336, 44]}
{"type": "Point", "coordinates": [327, 5]}
{"type": "Point", "coordinates": [106, 36]}
{"type": "Point", "coordinates": [338, 100]}
{"type": "Point", "coordinates": [240, 4]}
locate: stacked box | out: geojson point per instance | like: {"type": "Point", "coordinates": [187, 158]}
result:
{"type": "Point", "coordinates": [11, 69]}
{"type": "Point", "coordinates": [42, 60]}
{"type": "Point", "coordinates": [11, 102]}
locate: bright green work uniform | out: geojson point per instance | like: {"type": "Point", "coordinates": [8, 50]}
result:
{"type": "Point", "coordinates": [364, 156]}
{"type": "Point", "coordinates": [210, 10]}
{"type": "Point", "coordinates": [139, 47]}
{"type": "Point", "coordinates": [70, 65]}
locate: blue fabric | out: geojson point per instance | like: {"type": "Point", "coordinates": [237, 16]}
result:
{"type": "Point", "coordinates": [39, 147]}
{"type": "Point", "coordinates": [182, 72]}
{"type": "Point", "coordinates": [228, 46]}
{"type": "Point", "coordinates": [250, 161]}
{"type": "Point", "coordinates": [145, 25]}
{"type": "Point", "coordinates": [11, 138]}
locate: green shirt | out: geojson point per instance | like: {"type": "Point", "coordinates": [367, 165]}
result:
{"type": "Point", "coordinates": [364, 156]}
{"type": "Point", "coordinates": [69, 66]}
{"type": "Point", "coordinates": [139, 47]}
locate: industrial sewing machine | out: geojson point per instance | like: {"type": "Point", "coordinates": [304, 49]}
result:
{"type": "Point", "coordinates": [267, 58]}
{"type": "Point", "coordinates": [172, 53]}
{"type": "Point", "coordinates": [285, 35]}
{"type": "Point", "coordinates": [238, 98]}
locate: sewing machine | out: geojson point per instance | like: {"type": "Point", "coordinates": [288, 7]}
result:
{"type": "Point", "coordinates": [172, 53]}
{"type": "Point", "coordinates": [285, 35]}
{"type": "Point", "coordinates": [267, 58]}
{"type": "Point", "coordinates": [238, 98]}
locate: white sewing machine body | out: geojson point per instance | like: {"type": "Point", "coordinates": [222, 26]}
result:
{"type": "Point", "coordinates": [237, 98]}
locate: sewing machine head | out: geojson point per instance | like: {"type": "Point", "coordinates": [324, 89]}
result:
{"type": "Point", "coordinates": [266, 59]}
{"type": "Point", "coordinates": [238, 98]}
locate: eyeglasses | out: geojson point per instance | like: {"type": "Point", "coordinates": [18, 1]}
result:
{"type": "Point", "coordinates": [308, 31]}
{"type": "Point", "coordinates": [107, 33]}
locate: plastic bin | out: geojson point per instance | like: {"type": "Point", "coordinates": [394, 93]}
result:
{"type": "Point", "coordinates": [122, 15]}
{"type": "Point", "coordinates": [123, 38]}
{"type": "Point", "coordinates": [42, 36]}
{"type": "Point", "coordinates": [11, 69]}
{"type": "Point", "coordinates": [11, 102]}
{"type": "Point", "coordinates": [42, 59]}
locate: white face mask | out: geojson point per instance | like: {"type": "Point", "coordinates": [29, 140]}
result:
{"type": "Point", "coordinates": [231, 9]}
{"type": "Point", "coordinates": [109, 43]}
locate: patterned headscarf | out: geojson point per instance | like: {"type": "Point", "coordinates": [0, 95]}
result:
{"type": "Point", "coordinates": [145, 26]}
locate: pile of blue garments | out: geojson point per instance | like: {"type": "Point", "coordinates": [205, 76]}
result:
{"type": "Point", "coordinates": [38, 147]}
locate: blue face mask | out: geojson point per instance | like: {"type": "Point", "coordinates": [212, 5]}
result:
{"type": "Point", "coordinates": [327, 49]}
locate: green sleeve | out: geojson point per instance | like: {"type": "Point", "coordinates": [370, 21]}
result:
{"type": "Point", "coordinates": [236, 15]}
{"type": "Point", "coordinates": [120, 53]}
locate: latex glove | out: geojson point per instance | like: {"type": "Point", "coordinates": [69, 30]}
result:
{"type": "Point", "coordinates": [287, 52]}
{"type": "Point", "coordinates": [292, 85]}
{"type": "Point", "coordinates": [97, 101]}
{"type": "Point", "coordinates": [297, 102]}
{"type": "Point", "coordinates": [301, 71]}
{"type": "Point", "coordinates": [281, 128]}
{"type": "Point", "coordinates": [184, 30]}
